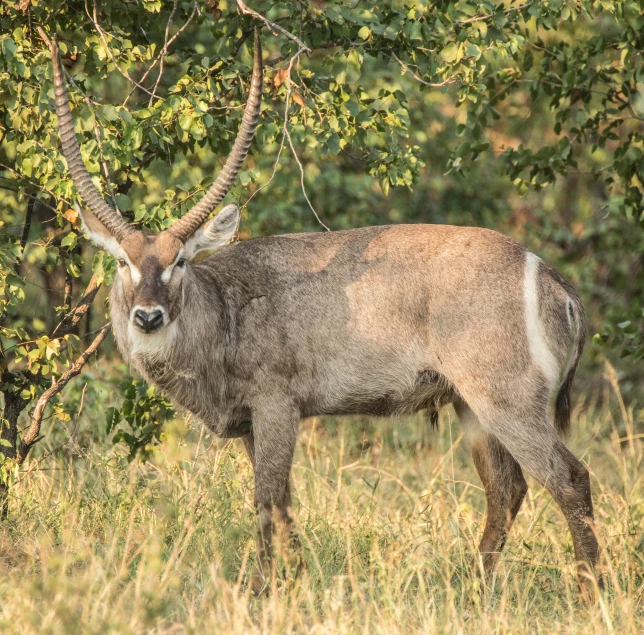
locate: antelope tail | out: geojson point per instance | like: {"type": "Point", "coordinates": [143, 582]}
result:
{"type": "Point", "coordinates": [577, 319]}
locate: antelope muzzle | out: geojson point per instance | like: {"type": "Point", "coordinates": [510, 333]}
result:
{"type": "Point", "coordinates": [149, 321]}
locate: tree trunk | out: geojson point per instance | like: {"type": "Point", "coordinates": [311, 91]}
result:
{"type": "Point", "coordinates": [13, 406]}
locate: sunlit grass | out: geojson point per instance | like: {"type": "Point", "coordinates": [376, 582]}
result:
{"type": "Point", "coordinates": [389, 512]}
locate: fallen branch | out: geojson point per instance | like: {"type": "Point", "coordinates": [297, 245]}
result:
{"type": "Point", "coordinates": [32, 436]}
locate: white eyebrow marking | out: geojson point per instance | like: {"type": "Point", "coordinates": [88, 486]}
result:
{"type": "Point", "coordinates": [134, 272]}
{"type": "Point", "coordinates": [167, 272]}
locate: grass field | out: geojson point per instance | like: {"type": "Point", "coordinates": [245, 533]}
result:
{"type": "Point", "coordinates": [390, 513]}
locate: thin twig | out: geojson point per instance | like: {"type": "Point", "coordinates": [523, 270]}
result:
{"type": "Point", "coordinates": [405, 67]}
{"type": "Point", "coordinates": [272, 26]}
{"type": "Point", "coordinates": [86, 97]}
{"type": "Point", "coordinates": [195, 10]}
{"type": "Point", "coordinates": [164, 51]}
{"type": "Point", "coordinates": [69, 289]}
{"type": "Point", "coordinates": [479, 18]}
{"type": "Point", "coordinates": [290, 141]}
{"type": "Point", "coordinates": [31, 197]}
{"type": "Point", "coordinates": [35, 184]}
{"type": "Point", "coordinates": [101, 32]}
{"type": "Point", "coordinates": [627, 104]}
{"type": "Point", "coordinates": [32, 435]}
{"type": "Point", "coordinates": [106, 170]}
{"type": "Point", "coordinates": [542, 48]}
{"type": "Point", "coordinates": [244, 36]}
{"type": "Point", "coordinates": [47, 205]}
{"type": "Point", "coordinates": [24, 236]}
{"type": "Point", "coordinates": [284, 128]}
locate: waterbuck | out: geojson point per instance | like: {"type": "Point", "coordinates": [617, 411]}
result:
{"type": "Point", "coordinates": [374, 321]}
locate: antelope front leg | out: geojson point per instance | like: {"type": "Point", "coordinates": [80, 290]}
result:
{"type": "Point", "coordinates": [271, 445]}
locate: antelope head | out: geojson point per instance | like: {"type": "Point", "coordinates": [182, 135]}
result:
{"type": "Point", "coordinates": [151, 266]}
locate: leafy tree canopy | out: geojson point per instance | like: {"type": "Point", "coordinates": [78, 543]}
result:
{"type": "Point", "coordinates": [522, 116]}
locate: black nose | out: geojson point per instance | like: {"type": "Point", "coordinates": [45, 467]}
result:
{"type": "Point", "coordinates": [148, 322]}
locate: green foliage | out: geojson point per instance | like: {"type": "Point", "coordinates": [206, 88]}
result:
{"type": "Point", "coordinates": [417, 112]}
{"type": "Point", "coordinates": [145, 412]}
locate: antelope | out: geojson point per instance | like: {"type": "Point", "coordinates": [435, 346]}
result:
{"type": "Point", "coordinates": [379, 321]}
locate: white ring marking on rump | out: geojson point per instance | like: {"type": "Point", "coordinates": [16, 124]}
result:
{"type": "Point", "coordinates": [539, 351]}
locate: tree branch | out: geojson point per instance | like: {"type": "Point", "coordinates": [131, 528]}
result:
{"type": "Point", "coordinates": [101, 32]}
{"type": "Point", "coordinates": [290, 142]}
{"type": "Point", "coordinates": [21, 178]}
{"type": "Point", "coordinates": [23, 242]}
{"type": "Point", "coordinates": [405, 67]}
{"type": "Point", "coordinates": [25, 232]}
{"type": "Point", "coordinates": [67, 324]}
{"type": "Point", "coordinates": [272, 26]}
{"type": "Point", "coordinates": [479, 18]}
{"type": "Point", "coordinates": [32, 436]}
{"type": "Point", "coordinates": [164, 50]}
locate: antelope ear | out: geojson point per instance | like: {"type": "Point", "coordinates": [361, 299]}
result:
{"type": "Point", "coordinates": [97, 232]}
{"type": "Point", "coordinates": [214, 233]}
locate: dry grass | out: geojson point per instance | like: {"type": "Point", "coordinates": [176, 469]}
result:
{"type": "Point", "coordinates": [389, 512]}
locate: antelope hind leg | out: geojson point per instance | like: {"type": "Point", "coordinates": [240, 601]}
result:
{"type": "Point", "coordinates": [505, 487]}
{"type": "Point", "coordinates": [532, 441]}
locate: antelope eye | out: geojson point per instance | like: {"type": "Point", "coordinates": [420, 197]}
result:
{"type": "Point", "coordinates": [121, 262]}
{"type": "Point", "coordinates": [181, 262]}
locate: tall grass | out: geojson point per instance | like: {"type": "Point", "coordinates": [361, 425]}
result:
{"type": "Point", "coordinates": [389, 512]}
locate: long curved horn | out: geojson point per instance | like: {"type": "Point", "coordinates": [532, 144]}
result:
{"type": "Point", "coordinates": [118, 227]}
{"type": "Point", "coordinates": [186, 226]}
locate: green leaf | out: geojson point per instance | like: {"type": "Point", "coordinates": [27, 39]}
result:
{"type": "Point", "coordinates": [124, 202]}
{"type": "Point", "coordinates": [450, 53]}
{"type": "Point", "coordinates": [109, 112]}
{"type": "Point", "coordinates": [69, 241]}
{"type": "Point", "coordinates": [346, 69]}
{"type": "Point", "coordinates": [364, 33]}
{"type": "Point", "coordinates": [185, 122]}
{"type": "Point", "coordinates": [415, 32]}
